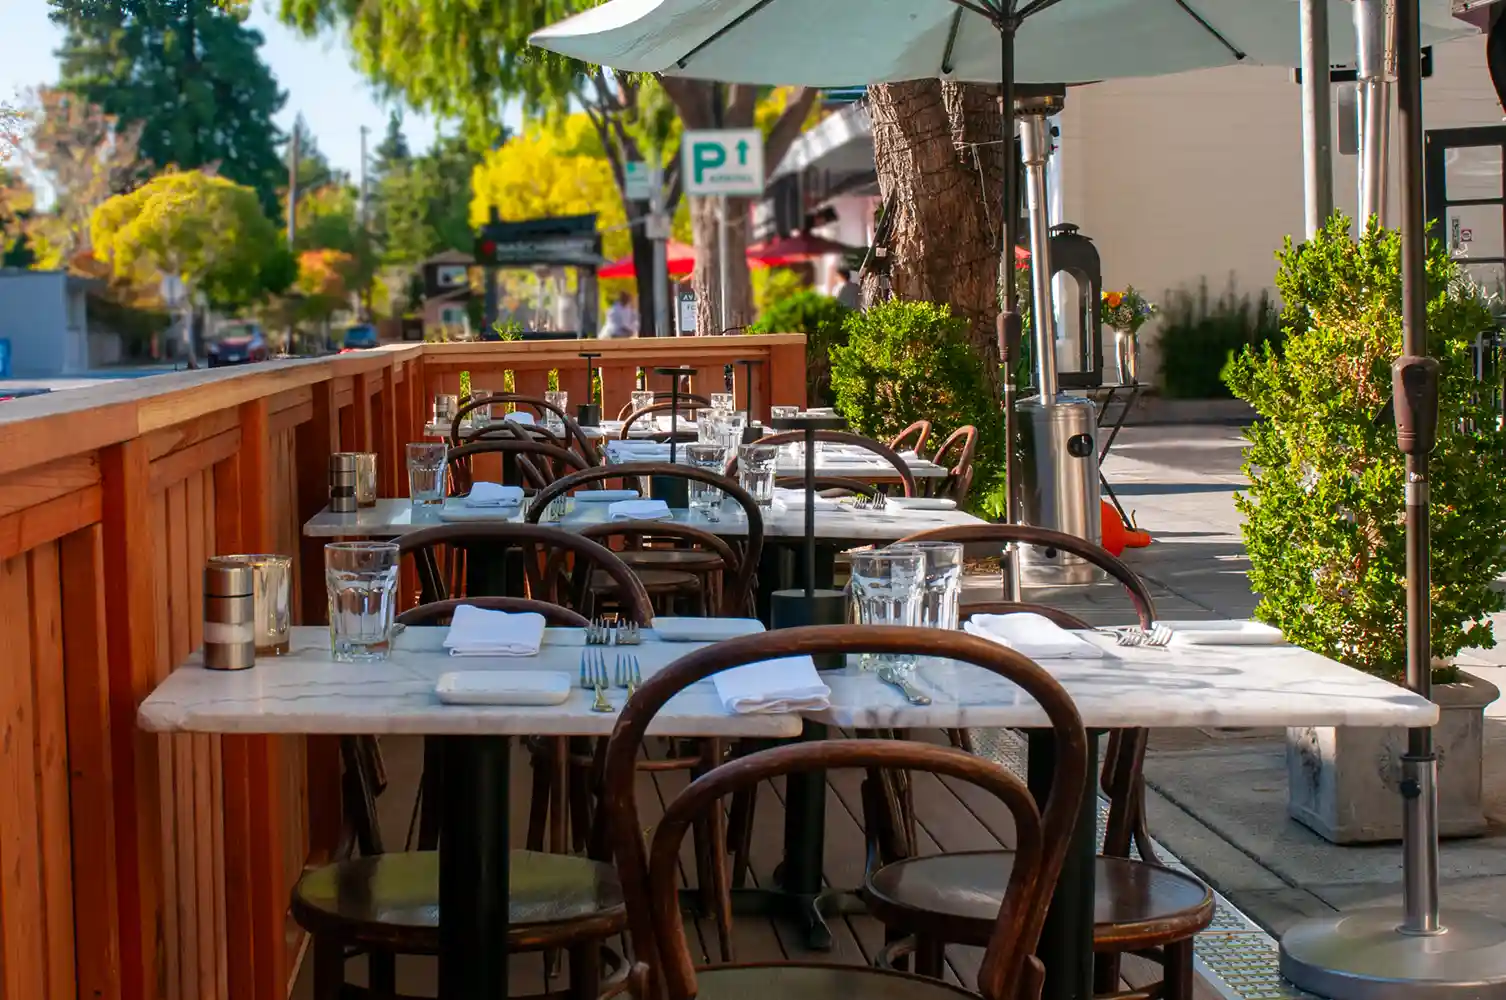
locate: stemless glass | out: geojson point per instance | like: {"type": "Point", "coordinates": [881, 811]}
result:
{"type": "Point", "coordinates": [426, 462]}
{"type": "Point", "coordinates": [366, 479]}
{"type": "Point", "coordinates": [640, 398]}
{"type": "Point", "coordinates": [794, 451]}
{"type": "Point", "coordinates": [711, 457]}
{"type": "Point", "coordinates": [755, 471]}
{"type": "Point", "coordinates": [272, 590]}
{"type": "Point", "coordinates": [942, 587]}
{"type": "Point", "coordinates": [722, 402]}
{"type": "Point", "coordinates": [886, 588]}
{"type": "Point", "coordinates": [730, 430]}
{"type": "Point", "coordinates": [552, 420]}
{"type": "Point", "coordinates": [361, 581]}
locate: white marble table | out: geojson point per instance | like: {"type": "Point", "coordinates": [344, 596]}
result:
{"type": "Point", "coordinates": [390, 518]}
{"type": "Point", "coordinates": [307, 692]}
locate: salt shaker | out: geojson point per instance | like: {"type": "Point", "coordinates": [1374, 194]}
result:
{"type": "Point", "coordinates": [343, 472]}
{"type": "Point", "coordinates": [229, 614]}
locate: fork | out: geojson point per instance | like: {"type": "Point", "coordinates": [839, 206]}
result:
{"type": "Point", "coordinates": [628, 673]}
{"type": "Point", "coordinates": [1133, 635]}
{"type": "Point", "coordinates": [556, 509]}
{"type": "Point", "coordinates": [627, 633]}
{"type": "Point", "coordinates": [593, 674]}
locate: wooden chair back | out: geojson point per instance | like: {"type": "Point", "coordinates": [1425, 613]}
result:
{"type": "Point", "coordinates": [440, 612]}
{"type": "Point", "coordinates": [687, 411]}
{"type": "Point", "coordinates": [913, 437]}
{"type": "Point", "coordinates": [539, 406]}
{"type": "Point", "coordinates": [888, 454]}
{"type": "Point", "coordinates": [548, 464]}
{"type": "Point", "coordinates": [1043, 835]}
{"type": "Point", "coordinates": [737, 578]}
{"type": "Point", "coordinates": [664, 396]}
{"type": "Point", "coordinates": [956, 455]}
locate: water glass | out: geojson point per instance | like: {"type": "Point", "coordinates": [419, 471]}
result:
{"type": "Point", "coordinates": [722, 402]}
{"type": "Point", "coordinates": [794, 451]}
{"type": "Point", "coordinates": [553, 421]}
{"type": "Point", "coordinates": [361, 580]}
{"type": "Point", "coordinates": [943, 581]}
{"type": "Point", "coordinates": [886, 588]}
{"type": "Point", "coordinates": [426, 462]}
{"type": "Point", "coordinates": [272, 597]}
{"type": "Point", "coordinates": [641, 399]}
{"type": "Point", "coordinates": [730, 427]}
{"type": "Point", "coordinates": [366, 479]}
{"type": "Point", "coordinates": [480, 416]}
{"type": "Point", "coordinates": [712, 458]}
{"type": "Point", "coordinates": [755, 471]}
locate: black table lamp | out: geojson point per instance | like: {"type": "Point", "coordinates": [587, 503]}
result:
{"type": "Point", "coordinates": [588, 414]}
{"type": "Point", "coordinates": [808, 605]}
{"type": "Point", "coordinates": [671, 489]}
{"type": "Point", "coordinates": [750, 432]}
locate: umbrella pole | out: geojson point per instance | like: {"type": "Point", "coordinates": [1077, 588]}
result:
{"type": "Point", "coordinates": [1009, 319]}
{"type": "Point", "coordinates": [1416, 953]}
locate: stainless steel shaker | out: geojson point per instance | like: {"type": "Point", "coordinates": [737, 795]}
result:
{"type": "Point", "coordinates": [229, 614]}
{"type": "Point", "coordinates": [344, 469]}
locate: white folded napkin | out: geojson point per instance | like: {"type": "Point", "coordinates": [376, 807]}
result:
{"type": "Point", "coordinates": [519, 417]}
{"type": "Point", "coordinates": [639, 510]}
{"type": "Point", "coordinates": [795, 499]}
{"type": "Point", "coordinates": [480, 632]}
{"type": "Point", "coordinates": [494, 495]}
{"type": "Point", "coordinates": [605, 496]}
{"type": "Point", "coordinates": [1036, 636]}
{"type": "Point", "coordinates": [790, 684]}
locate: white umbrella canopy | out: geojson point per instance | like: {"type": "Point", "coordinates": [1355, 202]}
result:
{"type": "Point", "coordinates": [831, 43]}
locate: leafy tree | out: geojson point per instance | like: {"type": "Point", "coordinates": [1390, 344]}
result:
{"type": "Point", "coordinates": [189, 73]}
{"type": "Point", "coordinates": [422, 207]}
{"type": "Point", "coordinates": [392, 152]}
{"type": "Point", "coordinates": [457, 58]}
{"type": "Point", "coordinates": [314, 170]}
{"type": "Point", "coordinates": [17, 205]}
{"type": "Point", "coordinates": [324, 282]}
{"type": "Point", "coordinates": [206, 231]}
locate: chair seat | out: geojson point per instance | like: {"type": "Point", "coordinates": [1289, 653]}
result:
{"type": "Point", "coordinates": [691, 560]}
{"type": "Point", "coordinates": [791, 981]}
{"type": "Point", "coordinates": [655, 581]}
{"type": "Point", "coordinates": [392, 900]}
{"type": "Point", "coordinates": [1132, 900]}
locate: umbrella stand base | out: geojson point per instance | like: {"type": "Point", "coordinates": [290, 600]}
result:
{"type": "Point", "coordinates": [1362, 955]}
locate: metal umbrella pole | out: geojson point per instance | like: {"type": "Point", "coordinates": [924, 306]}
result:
{"type": "Point", "coordinates": [1417, 953]}
{"type": "Point", "coordinates": [1010, 323]}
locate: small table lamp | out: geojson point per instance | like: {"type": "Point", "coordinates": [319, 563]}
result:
{"type": "Point", "coordinates": [588, 414]}
{"type": "Point", "coordinates": [751, 433]}
{"type": "Point", "coordinates": [673, 490]}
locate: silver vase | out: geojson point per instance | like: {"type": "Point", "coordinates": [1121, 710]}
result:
{"type": "Point", "coordinates": [1126, 348]}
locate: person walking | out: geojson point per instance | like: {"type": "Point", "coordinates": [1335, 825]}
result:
{"type": "Point", "coordinates": [622, 319]}
{"type": "Point", "coordinates": [847, 291]}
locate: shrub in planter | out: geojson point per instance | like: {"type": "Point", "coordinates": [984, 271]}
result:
{"type": "Point", "coordinates": [1199, 336]}
{"type": "Point", "coordinates": [820, 318]}
{"type": "Point", "coordinates": [907, 361]}
{"type": "Point", "coordinates": [1323, 517]}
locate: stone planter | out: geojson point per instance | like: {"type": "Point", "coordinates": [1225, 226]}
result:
{"type": "Point", "coordinates": [1342, 783]}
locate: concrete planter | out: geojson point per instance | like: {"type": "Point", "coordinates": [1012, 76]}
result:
{"type": "Point", "coordinates": [1342, 783]}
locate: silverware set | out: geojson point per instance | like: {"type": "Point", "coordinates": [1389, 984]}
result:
{"type": "Point", "coordinates": [626, 673]}
{"type": "Point", "coordinates": [613, 632]}
{"type": "Point", "coordinates": [876, 502]}
{"type": "Point", "coordinates": [1134, 635]}
{"type": "Point", "coordinates": [556, 510]}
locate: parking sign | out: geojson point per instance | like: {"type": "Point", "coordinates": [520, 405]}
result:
{"type": "Point", "coordinates": [723, 161]}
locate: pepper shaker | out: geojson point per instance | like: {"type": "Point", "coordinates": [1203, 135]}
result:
{"type": "Point", "coordinates": [229, 614]}
{"type": "Point", "coordinates": [343, 466]}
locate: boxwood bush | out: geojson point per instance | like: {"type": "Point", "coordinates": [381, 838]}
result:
{"type": "Point", "coordinates": [820, 318]}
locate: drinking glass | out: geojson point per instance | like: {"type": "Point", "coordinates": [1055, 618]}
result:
{"type": "Point", "coordinates": [366, 479]}
{"type": "Point", "coordinates": [552, 420]}
{"type": "Point", "coordinates": [942, 587]}
{"type": "Point", "coordinates": [755, 471]}
{"type": "Point", "coordinates": [361, 580]}
{"type": "Point", "coordinates": [272, 590]}
{"type": "Point", "coordinates": [722, 402]}
{"type": "Point", "coordinates": [426, 473]}
{"type": "Point", "coordinates": [886, 588]}
{"type": "Point", "coordinates": [481, 415]}
{"type": "Point", "coordinates": [711, 457]}
{"type": "Point", "coordinates": [640, 398]}
{"type": "Point", "coordinates": [794, 451]}
{"type": "Point", "coordinates": [730, 430]}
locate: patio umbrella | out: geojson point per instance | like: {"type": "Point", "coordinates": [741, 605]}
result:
{"type": "Point", "coordinates": [679, 257]}
{"type": "Point", "coordinates": [795, 249]}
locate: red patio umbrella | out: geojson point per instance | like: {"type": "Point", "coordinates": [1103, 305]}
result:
{"type": "Point", "coordinates": [681, 260]}
{"type": "Point", "coordinates": [795, 249]}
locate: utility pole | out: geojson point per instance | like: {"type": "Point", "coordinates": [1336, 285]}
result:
{"type": "Point", "coordinates": [363, 295]}
{"type": "Point", "coordinates": [293, 183]}
{"type": "Point", "coordinates": [365, 219]}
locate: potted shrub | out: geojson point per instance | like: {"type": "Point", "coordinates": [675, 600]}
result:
{"type": "Point", "coordinates": [1323, 517]}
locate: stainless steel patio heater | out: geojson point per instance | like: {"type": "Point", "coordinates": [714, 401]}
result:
{"type": "Point", "coordinates": [1419, 952]}
{"type": "Point", "coordinates": [1058, 432]}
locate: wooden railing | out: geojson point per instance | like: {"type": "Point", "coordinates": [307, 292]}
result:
{"type": "Point", "coordinates": [135, 865]}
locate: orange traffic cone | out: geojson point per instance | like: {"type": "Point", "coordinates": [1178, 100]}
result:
{"type": "Point", "coordinates": [1116, 537]}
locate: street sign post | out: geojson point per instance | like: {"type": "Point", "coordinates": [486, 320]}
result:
{"type": "Point", "coordinates": [637, 180]}
{"type": "Point", "coordinates": [722, 162]}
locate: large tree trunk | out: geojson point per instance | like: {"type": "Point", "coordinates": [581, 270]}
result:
{"type": "Point", "coordinates": [940, 169]}
{"type": "Point", "coordinates": [706, 280]}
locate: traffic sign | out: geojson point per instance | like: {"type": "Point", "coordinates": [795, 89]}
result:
{"type": "Point", "coordinates": [723, 161]}
{"type": "Point", "coordinates": [637, 184]}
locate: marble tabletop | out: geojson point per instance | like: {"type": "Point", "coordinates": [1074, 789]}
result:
{"type": "Point", "coordinates": [1172, 686]}
{"type": "Point", "coordinates": [390, 518]}
{"type": "Point", "coordinates": [308, 692]}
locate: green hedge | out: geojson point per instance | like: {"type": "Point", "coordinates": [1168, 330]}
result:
{"type": "Point", "coordinates": [1200, 335]}
{"type": "Point", "coordinates": [820, 318]}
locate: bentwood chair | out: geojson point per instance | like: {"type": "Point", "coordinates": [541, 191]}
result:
{"type": "Point", "coordinates": [385, 905]}
{"type": "Point", "coordinates": [687, 411]}
{"type": "Point", "coordinates": [1009, 970]}
{"type": "Point", "coordinates": [1141, 907]}
{"type": "Point", "coordinates": [901, 467]}
{"type": "Point", "coordinates": [538, 463]}
{"type": "Point", "coordinates": [664, 396]}
{"type": "Point", "coordinates": [956, 456]}
{"type": "Point", "coordinates": [541, 408]}
{"type": "Point", "coordinates": [912, 438]}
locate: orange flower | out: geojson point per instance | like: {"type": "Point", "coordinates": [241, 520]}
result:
{"type": "Point", "coordinates": [1113, 299]}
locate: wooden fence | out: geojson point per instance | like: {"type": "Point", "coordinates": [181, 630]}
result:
{"type": "Point", "coordinates": [135, 865]}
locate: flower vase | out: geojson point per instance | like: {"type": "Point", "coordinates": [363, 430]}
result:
{"type": "Point", "coordinates": [1126, 347]}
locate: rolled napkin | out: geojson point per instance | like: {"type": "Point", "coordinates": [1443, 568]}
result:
{"type": "Point", "coordinates": [494, 495]}
{"type": "Point", "coordinates": [480, 632]}
{"type": "Point", "coordinates": [639, 510]}
{"type": "Point", "coordinates": [1033, 635]}
{"type": "Point", "coordinates": [789, 684]}
{"type": "Point", "coordinates": [795, 499]}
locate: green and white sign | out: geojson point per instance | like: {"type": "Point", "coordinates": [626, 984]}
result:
{"type": "Point", "coordinates": [637, 181]}
{"type": "Point", "coordinates": [723, 161]}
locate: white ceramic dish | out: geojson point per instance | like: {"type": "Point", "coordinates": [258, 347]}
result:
{"type": "Point", "coordinates": [671, 629]}
{"type": "Point", "coordinates": [503, 687]}
{"type": "Point", "coordinates": [1224, 632]}
{"type": "Point", "coordinates": [604, 496]}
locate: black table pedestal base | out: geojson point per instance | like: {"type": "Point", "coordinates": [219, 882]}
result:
{"type": "Point", "coordinates": [807, 912]}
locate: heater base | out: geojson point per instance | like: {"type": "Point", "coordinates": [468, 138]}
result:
{"type": "Point", "coordinates": [1362, 955]}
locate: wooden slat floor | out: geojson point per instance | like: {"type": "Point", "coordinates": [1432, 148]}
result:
{"type": "Point", "coordinates": [952, 816]}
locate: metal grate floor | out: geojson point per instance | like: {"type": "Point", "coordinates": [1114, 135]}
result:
{"type": "Point", "coordinates": [1234, 955]}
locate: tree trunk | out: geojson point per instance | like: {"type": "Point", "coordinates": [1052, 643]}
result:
{"type": "Point", "coordinates": [643, 263]}
{"type": "Point", "coordinates": [940, 171]}
{"type": "Point", "coordinates": [706, 281]}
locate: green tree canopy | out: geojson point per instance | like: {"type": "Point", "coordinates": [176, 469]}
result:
{"type": "Point", "coordinates": [422, 206]}
{"type": "Point", "coordinates": [189, 72]}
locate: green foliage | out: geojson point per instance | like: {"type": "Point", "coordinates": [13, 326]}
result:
{"type": "Point", "coordinates": [421, 205]}
{"type": "Point", "coordinates": [1199, 337]}
{"type": "Point", "coordinates": [772, 285]}
{"type": "Point", "coordinates": [1323, 518]}
{"type": "Point", "coordinates": [820, 318]}
{"type": "Point", "coordinates": [553, 383]}
{"type": "Point", "coordinates": [906, 361]}
{"type": "Point", "coordinates": [189, 73]}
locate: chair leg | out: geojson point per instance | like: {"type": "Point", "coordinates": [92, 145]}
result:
{"type": "Point", "coordinates": [721, 887]}
{"type": "Point", "coordinates": [559, 791]}
{"type": "Point", "coordinates": [538, 801]}
{"type": "Point", "coordinates": [741, 834]}
{"type": "Point", "coordinates": [585, 971]}
{"type": "Point", "coordinates": [1177, 970]}
{"type": "Point", "coordinates": [1106, 973]}
{"type": "Point", "coordinates": [930, 956]}
{"type": "Point", "coordinates": [432, 796]}
{"type": "Point", "coordinates": [329, 967]}
{"type": "Point", "coordinates": [581, 787]}
{"type": "Point", "coordinates": [381, 970]}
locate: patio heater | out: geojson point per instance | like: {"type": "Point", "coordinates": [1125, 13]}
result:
{"type": "Point", "coordinates": [1418, 953]}
{"type": "Point", "coordinates": [1058, 432]}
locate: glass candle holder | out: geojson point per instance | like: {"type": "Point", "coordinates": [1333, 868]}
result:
{"type": "Point", "coordinates": [272, 594]}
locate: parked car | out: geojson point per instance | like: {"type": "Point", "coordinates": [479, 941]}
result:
{"type": "Point", "coordinates": [237, 344]}
{"type": "Point", "coordinates": [360, 336]}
